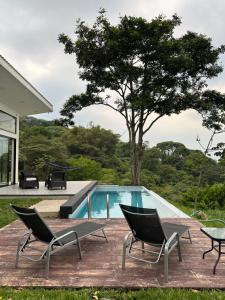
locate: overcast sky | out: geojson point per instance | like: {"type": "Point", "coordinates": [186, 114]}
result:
{"type": "Point", "coordinates": [28, 40]}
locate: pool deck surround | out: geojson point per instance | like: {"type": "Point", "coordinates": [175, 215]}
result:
{"type": "Point", "coordinates": [101, 262]}
{"type": "Point", "coordinates": [73, 187]}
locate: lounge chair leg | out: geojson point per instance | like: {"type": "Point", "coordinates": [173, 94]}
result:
{"type": "Point", "coordinates": [79, 249]}
{"type": "Point", "coordinates": [189, 236]}
{"type": "Point", "coordinates": [125, 245]}
{"type": "Point", "coordinates": [105, 235]}
{"type": "Point", "coordinates": [166, 266]}
{"type": "Point", "coordinates": [143, 246]}
{"type": "Point", "coordinates": [17, 254]}
{"type": "Point", "coordinates": [179, 251]}
{"type": "Point", "coordinates": [124, 255]}
{"type": "Point", "coordinates": [21, 246]}
{"type": "Point", "coordinates": [47, 262]}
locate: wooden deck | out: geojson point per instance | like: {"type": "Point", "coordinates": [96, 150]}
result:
{"type": "Point", "coordinates": [101, 263]}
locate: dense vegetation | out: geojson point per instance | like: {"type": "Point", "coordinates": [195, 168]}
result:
{"type": "Point", "coordinates": [169, 168]}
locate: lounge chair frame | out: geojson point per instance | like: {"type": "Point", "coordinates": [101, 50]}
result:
{"type": "Point", "coordinates": [55, 245]}
{"type": "Point", "coordinates": [165, 248]}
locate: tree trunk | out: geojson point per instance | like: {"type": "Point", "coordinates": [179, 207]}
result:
{"type": "Point", "coordinates": [198, 189]}
{"type": "Point", "coordinates": [136, 162]}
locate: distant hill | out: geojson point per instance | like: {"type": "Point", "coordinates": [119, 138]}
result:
{"type": "Point", "coordinates": [31, 121]}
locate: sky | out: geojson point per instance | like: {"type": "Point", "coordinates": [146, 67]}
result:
{"type": "Point", "coordinates": [28, 40]}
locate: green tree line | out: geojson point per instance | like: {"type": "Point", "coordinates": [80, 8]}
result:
{"type": "Point", "coordinates": [169, 168]}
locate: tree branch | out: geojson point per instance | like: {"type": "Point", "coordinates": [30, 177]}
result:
{"type": "Point", "coordinates": [152, 123]}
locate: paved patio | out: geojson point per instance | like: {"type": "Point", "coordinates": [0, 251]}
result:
{"type": "Point", "coordinates": [73, 187]}
{"type": "Point", "coordinates": [101, 263]}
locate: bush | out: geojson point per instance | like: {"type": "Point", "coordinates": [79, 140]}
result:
{"type": "Point", "coordinates": [210, 197]}
{"type": "Point", "coordinates": [88, 169]}
{"type": "Point", "coordinates": [109, 176]}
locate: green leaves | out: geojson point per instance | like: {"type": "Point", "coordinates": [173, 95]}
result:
{"type": "Point", "coordinates": [143, 63]}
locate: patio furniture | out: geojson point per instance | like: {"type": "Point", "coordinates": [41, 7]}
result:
{"type": "Point", "coordinates": [216, 235]}
{"type": "Point", "coordinates": [54, 241]}
{"type": "Point", "coordinates": [56, 179]}
{"type": "Point", "coordinates": [147, 228]}
{"type": "Point", "coordinates": [28, 180]}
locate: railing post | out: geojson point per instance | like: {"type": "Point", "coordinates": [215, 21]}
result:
{"type": "Point", "coordinates": [89, 206]}
{"type": "Point", "coordinates": [107, 206]}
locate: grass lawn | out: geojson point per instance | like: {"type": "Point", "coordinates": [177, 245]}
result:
{"type": "Point", "coordinates": [88, 294]}
{"type": "Point", "coordinates": [211, 213]}
{"type": "Point", "coordinates": [7, 216]}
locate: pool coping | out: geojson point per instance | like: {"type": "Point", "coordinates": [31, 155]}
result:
{"type": "Point", "coordinates": [74, 201]}
{"type": "Point", "coordinates": [169, 205]}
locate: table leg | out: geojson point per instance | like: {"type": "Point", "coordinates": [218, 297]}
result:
{"type": "Point", "coordinates": [219, 254]}
{"type": "Point", "coordinates": [212, 247]}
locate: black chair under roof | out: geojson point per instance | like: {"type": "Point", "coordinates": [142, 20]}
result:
{"type": "Point", "coordinates": [55, 241]}
{"type": "Point", "coordinates": [147, 228]}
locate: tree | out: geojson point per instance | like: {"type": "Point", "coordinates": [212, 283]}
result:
{"type": "Point", "coordinates": [140, 70]}
{"type": "Point", "coordinates": [88, 169]}
{"type": "Point", "coordinates": [173, 153]}
{"type": "Point", "coordinates": [42, 144]}
{"type": "Point", "coordinates": [213, 116]}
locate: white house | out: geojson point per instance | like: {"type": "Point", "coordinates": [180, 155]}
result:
{"type": "Point", "coordinates": [17, 98]}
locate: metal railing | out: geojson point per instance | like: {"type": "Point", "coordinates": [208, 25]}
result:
{"type": "Point", "coordinates": [107, 206]}
{"type": "Point", "coordinates": [89, 206]}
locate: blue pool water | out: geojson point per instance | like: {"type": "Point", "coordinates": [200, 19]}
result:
{"type": "Point", "coordinates": [134, 196]}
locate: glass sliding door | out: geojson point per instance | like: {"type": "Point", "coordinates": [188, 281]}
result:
{"type": "Point", "coordinates": [7, 168]}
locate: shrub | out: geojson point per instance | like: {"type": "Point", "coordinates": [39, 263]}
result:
{"type": "Point", "coordinates": [88, 169]}
{"type": "Point", "coordinates": [210, 197]}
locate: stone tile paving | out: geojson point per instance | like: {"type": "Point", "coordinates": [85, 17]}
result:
{"type": "Point", "coordinates": [101, 263]}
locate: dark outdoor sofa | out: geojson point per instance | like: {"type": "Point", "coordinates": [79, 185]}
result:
{"type": "Point", "coordinates": [28, 180]}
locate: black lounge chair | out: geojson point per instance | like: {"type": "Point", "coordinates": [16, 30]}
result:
{"type": "Point", "coordinates": [147, 228]}
{"type": "Point", "coordinates": [56, 179]}
{"type": "Point", "coordinates": [28, 181]}
{"type": "Point", "coordinates": [55, 241]}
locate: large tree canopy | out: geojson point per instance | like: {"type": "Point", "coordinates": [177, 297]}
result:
{"type": "Point", "coordinates": [141, 70]}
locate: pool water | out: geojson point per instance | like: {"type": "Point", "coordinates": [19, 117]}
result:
{"type": "Point", "coordinates": [135, 196]}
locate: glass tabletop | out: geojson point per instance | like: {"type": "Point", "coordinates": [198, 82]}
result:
{"type": "Point", "coordinates": [214, 233]}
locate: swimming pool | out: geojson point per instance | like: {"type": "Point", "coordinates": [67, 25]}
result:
{"type": "Point", "coordinates": [137, 196]}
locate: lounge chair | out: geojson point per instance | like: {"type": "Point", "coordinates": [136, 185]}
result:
{"type": "Point", "coordinates": [28, 180]}
{"type": "Point", "coordinates": [56, 179]}
{"type": "Point", "coordinates": [147, 228]}
{"type": "Point", "coordinates": [55, 241]}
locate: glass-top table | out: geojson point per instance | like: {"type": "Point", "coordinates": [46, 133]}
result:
{"type": "Point", "coordinates": [216, 235]}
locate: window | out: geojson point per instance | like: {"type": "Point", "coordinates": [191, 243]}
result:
{"type": "Point", "coordinates": [7, 122]}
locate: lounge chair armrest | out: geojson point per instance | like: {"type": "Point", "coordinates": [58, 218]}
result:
{"type": "Point", "coordinates": [27, 233]}
{"type": "Point", "coordinates": [170, 244]}
{"type": "Point", "coordinates": [126, 238]}
{"type": "Point", "coordinates": [214, 220]}
{"type": "Point", "coordinates": [63, 236]}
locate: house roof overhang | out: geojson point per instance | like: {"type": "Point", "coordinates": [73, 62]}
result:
{"type": "Point", "coordinates": [18, 94]}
